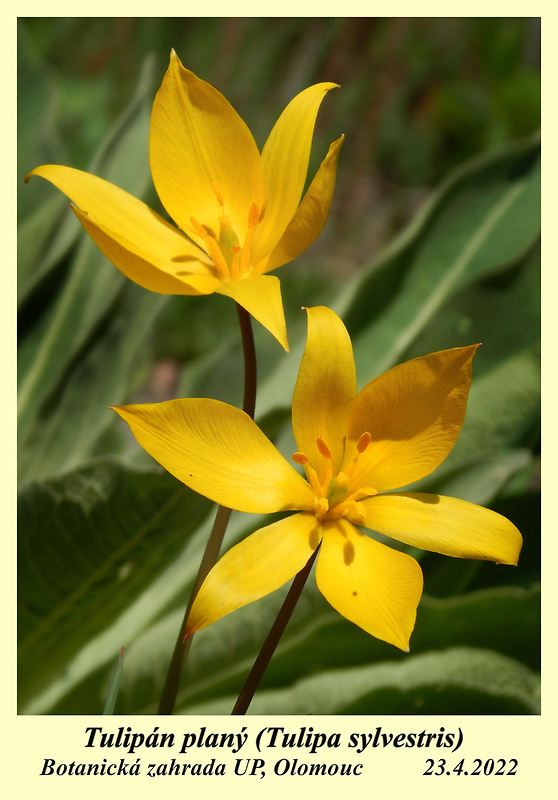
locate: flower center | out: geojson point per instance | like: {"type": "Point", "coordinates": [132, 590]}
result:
{"type": "Point", "coordinates": [333, 500]}
{"type": "Point", "coordinates": [231, 260]}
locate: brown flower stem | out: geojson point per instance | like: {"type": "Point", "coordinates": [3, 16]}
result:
{"type": "Point", "coordinates": [264, 657]}
{"type": "Point", "coordinates": [250, 369]}
{"type": "Point", "coordinates": [213, 546]}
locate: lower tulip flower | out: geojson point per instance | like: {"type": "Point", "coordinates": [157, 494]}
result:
{"type": "Point", "coordinates": [355, 450]}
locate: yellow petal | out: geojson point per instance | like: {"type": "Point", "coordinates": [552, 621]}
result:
{"type": "Point", "coordinates": [200, 149]}
{"type": "Point", "coordinates": [414, 413]}
{"type": "Point", "coordinates": [325, 389]}
{"type": "Point", "coordinates": [311, 216]}
{"type": "Point", "coordinates": [145, 247]}
{"type": "Point", "coordinates": [261, 297]}
{"type": "Point", "coordinates": [444, 525]}
{"type": "Point", "coordinates": [218, 451]}
{"type": "Point", "coordinates": [370, 584]}
{"type": "Point", "coordinates": [257, 566]}
{"type": "Point", "coordinates": [285, 159]}
{"type": "Point", "coordinates": [183, 276]}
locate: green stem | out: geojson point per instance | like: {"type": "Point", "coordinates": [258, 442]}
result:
{"type": "Point", "coordinates": [213, 546]}
{"type": "Point", "coordinates": [262, 661]}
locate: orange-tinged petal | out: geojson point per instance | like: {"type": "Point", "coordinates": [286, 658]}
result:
{"type": "Point", "coordinates": [200, 150]}
{"type": "Point", "coordinates": [444, 525]}
{"type": "Point", "coordinates": [135, 238]}
{"type": "Point", "coordinates": [183, 275]}
{"type": "Point", "coordinates": [311, 215]}
{"type": "Point", "coordinates": [325, 389]}
{"type": "Point", "coordinates": [285, 159]}
{"type": "Point", "coordinates": [261, 297]}
{"type": "Point", "coordinates": [414, 413]}
{"type": "Point", "coordinates": [218, 451]}
{"type": "Point", "coordinates": [370, 584]}
{"type": "Point", "coordinates": [257, 566]}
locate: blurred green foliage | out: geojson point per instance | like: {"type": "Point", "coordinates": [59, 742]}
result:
{"type": "Point", "coordinates": [432, 242]}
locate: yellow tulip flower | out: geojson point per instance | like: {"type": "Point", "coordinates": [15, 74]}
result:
{"type": "Point", "coordinates": [355, 449]}
{"type": "Point", "coordinates": [239, 213]}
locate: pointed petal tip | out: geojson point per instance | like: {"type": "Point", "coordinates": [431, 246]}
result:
{"type": "Point", "coordinates": [510, 563]}
{"type": "Point", "coordinates": [35, 171]}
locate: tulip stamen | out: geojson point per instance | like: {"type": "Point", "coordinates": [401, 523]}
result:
{"type": "Point", "coordinates": [255, 216]}
{"type": "Point", "coordinates": [213, 250]}
{"type": "Point", "coordinates": [333, 500]}
{"type": "Point", "coordinates": [361, 446]}
{"type": "Point", "coordinates": [218, 192]}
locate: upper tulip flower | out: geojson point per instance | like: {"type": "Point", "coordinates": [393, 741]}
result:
{"type": "Point", "coordinates": [239, 213]}
{"type": "Point", "coordinates": [355, 449]}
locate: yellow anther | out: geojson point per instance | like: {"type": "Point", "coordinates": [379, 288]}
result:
{"type": "Point", "coordinates": [262, 212]}
{"type": "Point", "coordinates": [216, 255]}
{"type": "Point", "coordinates": [363, 442]}
{"type": "Point", "coordinates": [199, 228]}
{"type": "Point", "coordinates": [253, 216]}
{"type": "Point", "coordinates": [302, 458]}
{"type": "Point", "coordinates": [332, 499]}
{"type": "Point", "coordinates": [323, 448]}
{"type": "Point", "coordinates": [361, 446]}
{"type": "Point", "coordinates": [218, 192]}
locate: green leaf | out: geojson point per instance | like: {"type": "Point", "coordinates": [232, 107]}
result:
{"type": "Point", "coordinates": [485, 217]}
{"type": "Point", "coordinates": [90, 544]}
{"type": "Point", "coordinates": [455, 681]}
{"type": "Point", "coordinates": [505, 620]}
{"type": "Point", "coordinates": [93, 285]}
{"type": "Point", "coordinates": [46, 235]}
{"type": "Point", "coordinates": [70, 430]}
{"type": "Point", "coordinates": [114, 684]}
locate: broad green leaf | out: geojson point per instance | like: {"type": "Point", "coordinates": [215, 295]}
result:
{"type": "Point", "coordinates": [38, 141]}
{"type": "Point", "coordinates": [506, 620]}
{"type": "Point", "coordinates": [90, 544]}
{"type": "Point", "coordinates": [46, 236]}
{"type": "Point", "coordinates": [454, 681]}
{"type": "Point", "coordinates": [71, 430]}
{"type": "Point", "coordinates": [482, 219]}
{"type": "Point", "coordinates": [92, 285]}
